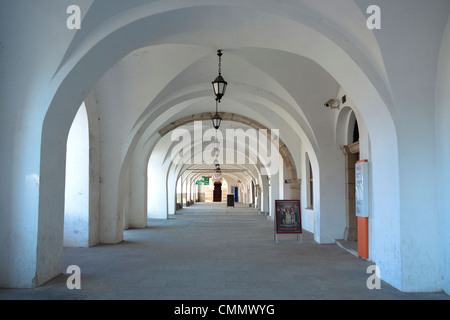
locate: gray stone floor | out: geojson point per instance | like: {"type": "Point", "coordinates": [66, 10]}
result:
{"type": "Point", "coordinates": [210, 252]}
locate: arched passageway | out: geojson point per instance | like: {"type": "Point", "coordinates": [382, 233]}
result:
{"type": "Point", "coordinates": [280, 75]}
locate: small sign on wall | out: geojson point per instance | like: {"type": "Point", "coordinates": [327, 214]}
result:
{"type": "Point", "coordinates": [362, 188]}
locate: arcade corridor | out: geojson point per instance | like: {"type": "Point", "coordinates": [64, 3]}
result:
{"type": "Point", "coordinates": [116, 124]}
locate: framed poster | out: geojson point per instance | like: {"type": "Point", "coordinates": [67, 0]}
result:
{"type": "Point", "coordinates": [288, 218]}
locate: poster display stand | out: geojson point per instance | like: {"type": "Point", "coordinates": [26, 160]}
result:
{"type": "Point", "coordinates": [288, 219]}
{"type": "Point", "coordinates": [230, 200]}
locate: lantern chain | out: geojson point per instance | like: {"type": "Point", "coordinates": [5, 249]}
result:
{"type": "Point", "coordinates": [219, 53]}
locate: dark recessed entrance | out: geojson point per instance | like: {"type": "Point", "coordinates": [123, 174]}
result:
{"type": "Point", "coordinates": [217, 195]}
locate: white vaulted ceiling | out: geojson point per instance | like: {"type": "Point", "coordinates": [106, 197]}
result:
{"type": "Point", "coordinates": [270, 60]}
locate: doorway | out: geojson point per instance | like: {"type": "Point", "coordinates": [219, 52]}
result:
{"type": "Point", "coordinates": [351, 157]}
{"type": "Point", "coordinates": [351, 152]}
{"type": "Point", "coordinates": [217, 193]}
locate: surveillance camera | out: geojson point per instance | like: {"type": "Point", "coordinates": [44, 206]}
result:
{"type": "Point", "coordinates": [332, 103]}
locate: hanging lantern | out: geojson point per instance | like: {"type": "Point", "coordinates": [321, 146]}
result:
{"type": "Point", "coordinates": [219, 84]}
{"type": "Point", "coordinates": [216, 152]}
{"type": "Point", "coordinates": [216, 120]}
{"type": "Point", "coordinates": [217, 177]}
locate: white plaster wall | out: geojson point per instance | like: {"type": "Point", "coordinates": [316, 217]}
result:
{"type": "Point", "coordinates": [76, 203]}
{"type": "Point", "coordinates": [411, 66]}
{"type": "Point", "coordinates": [94, 169]}
{"type": "Point", "coordinates": [276, 187]}
{"type": "Point", "coordinates": [114, 129]}
{"type": "Point", "coordinates": [308, 214]}
{"type": "Point", "coordinates": [443, 152]}
{"type": "Point", "coordinates": [26, 69]}
{"type": "Point", "coordinates": [188, 190]}
{"type": "Point", "coordinates": [136, 211]}
{"type": "Point", "coordinates": [157, 194]}
{"type": "Point", "coordinates": [171, 192]}
{"type": "Point", "coordinates": [179, 185]}
{"type": "Point", "coordinates": [308, 220]}
{"type": "Point", "coordinates": [265, 194]}
{"type": "Point", "coordinates": [331, 197]}
{"type": "Point", "coordinates": [274, 194]}
{"type": "Point", "coordinates": [281, 179]}
{"type": "Point", "coordinates": [286, 194]}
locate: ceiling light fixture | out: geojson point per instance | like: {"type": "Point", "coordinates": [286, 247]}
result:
{"type": "Point", "coordinates": [219, 84]}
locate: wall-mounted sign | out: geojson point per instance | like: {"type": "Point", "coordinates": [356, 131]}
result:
{"type": "Point", "coordinates": [203, 181]}
{"type": "Point", "coordinates": [362, 188]}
